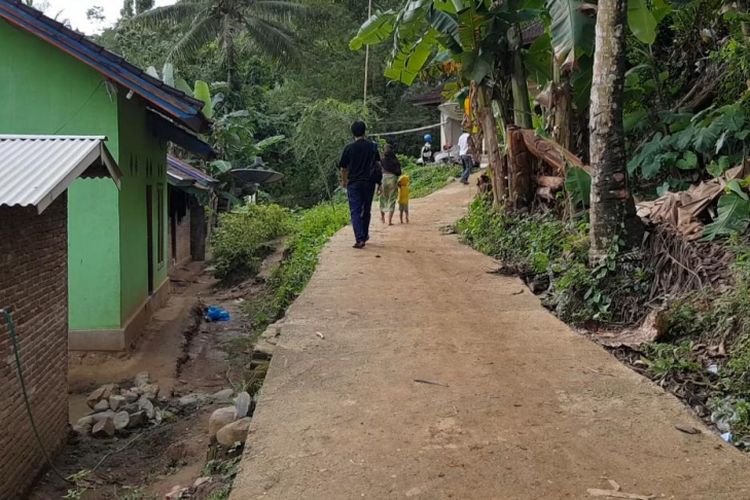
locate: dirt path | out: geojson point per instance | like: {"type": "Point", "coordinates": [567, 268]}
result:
{"type": "Point", "coordinates": [526, 409]}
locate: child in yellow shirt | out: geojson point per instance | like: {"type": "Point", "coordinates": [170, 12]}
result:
{"type": "Point", "coordinates": [403, 198]}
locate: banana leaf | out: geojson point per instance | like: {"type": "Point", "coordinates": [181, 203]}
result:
{"type": "Point", "coordinates": [375, 30]}
{"type": "Point", "coordinates": [572, 31]}
{"type": "Point", "coordinates": [203, 93]}
{"type": "Point", "coordinates": [733, 214]}
{"type": "Point", "coordinates": [578, 186]}
{"type": "Point", "coordinates": [641, 21]}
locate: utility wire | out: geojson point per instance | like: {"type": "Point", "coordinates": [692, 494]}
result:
{"type": "Point", "coordinates": [401, 132]}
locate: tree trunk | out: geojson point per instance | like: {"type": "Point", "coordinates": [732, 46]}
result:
{"type": "Point", "coordinates": [520, 162]}
{"type": "Point", "coordinates": [562, 101]}
{"type": "Point", "coordinates": [498, 166]}
{"type": "Point", "coordinates": [230, 53]}
{"type": "Point", "coordinates": [519, 84]}
{"type": "Point", "coordinates": [612, 207]}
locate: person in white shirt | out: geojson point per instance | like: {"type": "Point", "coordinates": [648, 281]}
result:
{"type": "Point", "coordinates": [464, 146]}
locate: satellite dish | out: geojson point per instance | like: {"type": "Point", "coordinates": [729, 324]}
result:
{"type": "Point", "coordinates": [258, 175]}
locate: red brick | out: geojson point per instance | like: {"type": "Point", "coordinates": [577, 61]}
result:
{"type": "Point", "coordinates": [33, 285]}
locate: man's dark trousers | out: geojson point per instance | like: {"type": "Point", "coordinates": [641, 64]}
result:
{"type": "Point", "coordinates": [360, 195]}
{"type": "Point", "coordinates": [467, 161]}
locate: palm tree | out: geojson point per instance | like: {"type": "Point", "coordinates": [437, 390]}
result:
{"type": "Point", "coordinates": [613, 216]}
{"type": "Point", "coordinates": [264, 22]}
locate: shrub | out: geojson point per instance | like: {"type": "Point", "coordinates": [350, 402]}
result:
{"type": "Point", "coordinates": [312, 229]}
{"type": "Point", "coordinates": [541, 244]}
{"type": "Point", "coordinates": [240, 241]}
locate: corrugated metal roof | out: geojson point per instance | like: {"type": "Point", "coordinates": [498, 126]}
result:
{"type": "Point", "coordinates": [180, 171]}
{"type": "Point", "coordinates": [172, 102]}
{"type": "Point", "coordinates": [36, 169]}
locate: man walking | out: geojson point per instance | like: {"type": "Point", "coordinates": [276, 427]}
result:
{"type": "Point", "coordinates": [464, 148]}
{"type": "Point", "coordinates": [358, 164]}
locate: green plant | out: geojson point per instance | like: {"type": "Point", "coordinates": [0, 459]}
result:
{"type": "Point", "coordinates": [733, 213]}
{"type": "Point", "coordinates": [578, 186]}
{"type": "Point", "coordinates": [426, 179]}
{"type": "Point", "coordinates": [695, 145]}
{"type": "Point", "coordinates": [313, 228]}
{"type": "Point", "coordinates": [239, 242]}
{"type": "Point", "coordinates": [665, 360]}
{"type": "Point", "coordinates": [320, 134]}
{"type": "Point", "coordinates": [75, 493]}
{"type": "Point", "coordinates": [79, 480]}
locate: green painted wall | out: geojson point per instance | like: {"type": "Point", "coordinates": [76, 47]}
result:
{"type": "Point", "coordinates": [48, 92]}
{"type": "Point", "coordinates": [144, 160]}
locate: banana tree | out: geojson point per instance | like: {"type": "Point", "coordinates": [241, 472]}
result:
{"type": "Point", "coordinates": [478, 35]}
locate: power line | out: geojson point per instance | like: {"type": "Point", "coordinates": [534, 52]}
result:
{"type": "Point", "coordinates": [409, 131]}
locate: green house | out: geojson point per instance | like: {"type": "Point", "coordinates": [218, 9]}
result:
{"type": "Point", "coordinates": [55, 81]}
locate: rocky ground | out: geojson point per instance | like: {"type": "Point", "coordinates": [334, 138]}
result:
{"type": "Point", "coordinates": [169, 419]}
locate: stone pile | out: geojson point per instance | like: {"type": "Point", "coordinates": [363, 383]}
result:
{"type": "Point", "coordinates": [116, 409]}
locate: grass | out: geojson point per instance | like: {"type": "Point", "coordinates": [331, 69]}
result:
{"type": "Point", "coordinates": [426, 179]}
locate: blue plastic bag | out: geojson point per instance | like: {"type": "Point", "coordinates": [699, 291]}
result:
{"type": "Point", "coordinates": [216, 313]}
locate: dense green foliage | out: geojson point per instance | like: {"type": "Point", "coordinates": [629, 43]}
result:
{"type": "Point", "coordinates": [310, 100]}
{"type": "Point", "coordinates": [542, 247]}
{"type": "Point", "coordinates": [240, 240]}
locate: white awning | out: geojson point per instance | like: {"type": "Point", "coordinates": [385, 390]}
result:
{"type": "Point", "coordinates": [36, 169]}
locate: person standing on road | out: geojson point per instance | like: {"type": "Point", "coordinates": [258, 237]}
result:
{"type": "Point", "coordinates": [389, 187]}
{"type": "Point", "coordinates": [358, 163]}
{"type": "Point", "coordinates": [464, 148]}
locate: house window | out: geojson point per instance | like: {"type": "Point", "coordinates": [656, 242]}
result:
{"type": "Point", "coordinates": [160, 225]}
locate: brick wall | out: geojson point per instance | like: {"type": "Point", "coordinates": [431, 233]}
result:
{"type": "Point", "coordinates": [33, 284]}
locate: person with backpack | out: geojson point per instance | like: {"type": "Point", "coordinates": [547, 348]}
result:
{"type": "Point", "coordinates": [360, 172]}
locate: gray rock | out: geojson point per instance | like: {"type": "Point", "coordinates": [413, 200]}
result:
{"type": "Point", "coordinates": [146, 405]}
{"type": "Point", "coordinates": [242, 404]}
{"type": "Point", "coordinates": [137, 419]}
{"type": "Point", "coordinates": [121, 420]}
{"type": "Point", "coordinates": [130, 396]}
{"type": "Point", "coordinates": [192, 399]}
{"type": "Point", "coordinates": [101, 405]}
{"type": "Point", "coordinates": [219, 418]}
{"type": "Point", "coordinates": [86, 421]}
{"type": "Point", "coordinates": [98, 417]}
{"type": "Point", "coordinates": [103, 392]}
{"type": "Point", "coordinates": [142, 379]}
{"type": "Point", "coordinates": [116, 402]}
{"type": "Point", "coordinates": [223, 396]}
{"type": "Point", "coordinates": [200, 481]}
{"type": "Point", "coordinates": [104, 428]}
{"type": "Point", "coordinates": [236, 432]}
{"type": "Point", "coordinates": [176, 492]}
{"type": "Point", "coordinates": [150, 390]}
